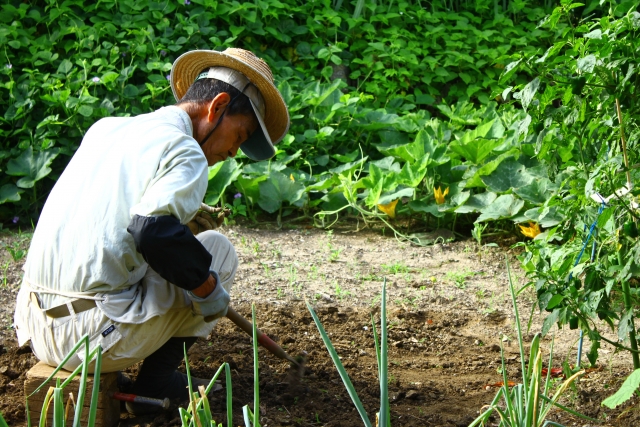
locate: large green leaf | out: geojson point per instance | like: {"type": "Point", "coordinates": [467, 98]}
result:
{"type": "Point", "coordinates": [375, 183]}
{"type": "Point", "coordinates": [625, 326]}
{"type": "Point", "coordinates": [510, 70]}
{"type": "Point", "coordinates": [423, 145]}
{"type": "Point", "coordinates": [221, 175]}
{"type": "Point", "coordinates": [348, 168]}
{"type": "Point", "coordinates": [31, 166]}
{"type": "Point", "coordinates": [279, 188]}
{"type": "Point", "coordinates": [504, 206]}
{"type": "Point", "coordinates": [435, 149]}
{"type": "Point", "coordinates": [537, 191]}
{"type": "Point", "coordinates": [547, 217]}
{"type": "Point", "coordinates": [333, 202]}
{"type": "Point", "coordinates": [552, 51]}
{"type": "Point", "coordinates": [586, 64]}
{"type": "Point", "coordinates": [479, 132]}
{"type": "Point", "coordinates": [412, 174]}
{"type": "Point", "coordinates": [130, 91]}
{"type": "Point", "coordinates": [406, 152]}
{"type": "Point", "coordinates": [509, 174]}
{"type": "Point", "coordinates": [390, 197]}
{"type": "Point", "coordinates": [250, 186]}
{"type": "Point", "coordinates": [455, 199]}
{"type": "Point", "coordinates": [474, 174]}
{"type": "Point", "coordinates": [497, 130]}
{"type": "Point", "coordinates": [477, 202]}
{"type": "Point", "coordinates": [422, 206]}
{"type": "Point", "coordinates": [529, 91]}
{"type": "Point", "coordinates": [288, 159]}
{"type": "Point", "coordinates": [9, 193]}
{"type": "Point", "coordinates": [475, 151]}
{"type": "Point", "coordinates": [471, 177]}
{"type": "Point", "coordinates": [263, 168]}
{"type": "Point", "coordinates": [549, 321]}
{"type": "Point", "coordinates": [65, 66]}
{"type": "Point", "coordinates": [387, 163]}
{"type": "Point", "coordinates": [322, 91]}
{"type": "Point", "coordinates": [285, 90]}
{"type": "Point", "coordinates": [625, 392]}
{"type": "Point", "coordinates": [324, 184]}
{"type": "Point", "coordinates": [378, 119]}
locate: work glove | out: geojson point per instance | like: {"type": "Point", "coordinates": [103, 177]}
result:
{"type": "Point", "coordinates": [214, 305]}
{"type": "Point", "coordinates": [207, 218]}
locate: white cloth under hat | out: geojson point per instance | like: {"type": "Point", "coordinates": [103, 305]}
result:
{"type": "Point", "coordinates": [259, 145]}
{"type": "Point", "coordinates": [275, 121]}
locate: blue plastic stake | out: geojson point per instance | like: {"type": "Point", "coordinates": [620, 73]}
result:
{"type": "Point", "coordinates": [592, 230]}
{"type": "Point", "coordinates": [580, 349]}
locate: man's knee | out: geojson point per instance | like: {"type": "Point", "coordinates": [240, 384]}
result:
{"type": "Point", "coordinates": [225, 259]}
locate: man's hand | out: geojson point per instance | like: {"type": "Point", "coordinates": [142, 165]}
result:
{"type": "Point", "coordinates": [211, 306]}
{"type": "Point", "coordinates": [207, 218]}
{"type": "Point", "coordinates": [202, 222]}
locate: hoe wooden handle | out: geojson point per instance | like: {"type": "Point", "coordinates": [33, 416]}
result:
{"type": "Point", "coordinates": [263, 339]}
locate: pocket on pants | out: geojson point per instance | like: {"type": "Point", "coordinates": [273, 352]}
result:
{"type": "Point", "coordinates": [58, 322]}
{"type": "Point", "coordinates": [107, 335]}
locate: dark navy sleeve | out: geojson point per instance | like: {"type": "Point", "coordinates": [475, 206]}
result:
{"type": "Point", "coordinates": [171, 250]}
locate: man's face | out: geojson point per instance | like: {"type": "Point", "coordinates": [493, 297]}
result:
{"type": "Point", "coordinates": [228, 136]}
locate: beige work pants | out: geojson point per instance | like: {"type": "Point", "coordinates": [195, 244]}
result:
{"type": "Point", "coordinates": [124, 344]}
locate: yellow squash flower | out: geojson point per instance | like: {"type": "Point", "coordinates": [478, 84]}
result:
{"type": "Point", "coordinates": [439, 194]}
{"type": "Point", "coordinates": [531, 231]}
{"type": "Point", "coordinates": [292, 178]}
{"type": "Point", "coordinates": [389, 209]}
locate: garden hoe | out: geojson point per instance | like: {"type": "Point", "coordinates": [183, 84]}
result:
{"type": "Point", "coordinates": [263, 339]}
{"type": "Point", "coordinates": [219, 214]}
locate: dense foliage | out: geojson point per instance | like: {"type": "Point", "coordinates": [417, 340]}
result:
{"type": "Point", "coordinates": [354, 74]}
{"type": "Point", "coordinates": [446, 113]}
{"type": "Point", "coordinates": [484, 111]}
{"type": "Point", "coordinates": [583, 102]}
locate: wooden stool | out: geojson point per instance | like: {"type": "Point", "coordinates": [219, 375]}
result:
{"type": "Point", "coordinates": [108, 413]}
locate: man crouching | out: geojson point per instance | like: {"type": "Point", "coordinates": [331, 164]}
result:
{"type": "Point", "coordinates": [118, 254]}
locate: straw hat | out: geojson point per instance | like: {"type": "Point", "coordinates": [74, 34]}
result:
{"type": "Point", "coordinates": [275, 116]}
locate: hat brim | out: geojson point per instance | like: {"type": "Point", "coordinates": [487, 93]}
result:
{"type": "Point", "coordinates": [258, 146]}
{"type": "Point", "coordinates": [276, 122]}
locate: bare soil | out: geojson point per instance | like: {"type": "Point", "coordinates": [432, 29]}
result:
{"type": "Point", "coordinates": [449, 311]}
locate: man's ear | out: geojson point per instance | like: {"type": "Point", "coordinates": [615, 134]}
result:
{"type": "Point", "coordinates": [217, 106]}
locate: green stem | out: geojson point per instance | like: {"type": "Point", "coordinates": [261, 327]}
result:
{"type": "Point", "coordinates": [624, 143]}
{"type": "Point", "coordinates": [627, 208]}
{"type": "Point", "coordinates": [617, 345]}
{"type": "Point", "coordinates": [584, 163]}
{"type": "Point", "coordinates": [628, 305]}
{"type": "Point", "coordinates": [626, 291]}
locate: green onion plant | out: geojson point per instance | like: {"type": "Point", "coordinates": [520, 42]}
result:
{"type": "Point", "coordinates": [525, 404]}
{"type": "Point", "coordinates": [253, 418]}
{"type": "Point", "coordinates": [55, 395]}
{"type": "Point", "coordinates": [198, 413]}
{"type": "Point", "coordinates": [383, 416]}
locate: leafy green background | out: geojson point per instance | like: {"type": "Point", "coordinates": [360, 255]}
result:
{"type": "Point", "coordinates": [356, 75]}
{"type": "Point", "coordinates": [518, 108]}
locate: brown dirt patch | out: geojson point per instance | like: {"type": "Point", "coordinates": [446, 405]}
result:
{"type": "Point", "coordinates": [449, 309]}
